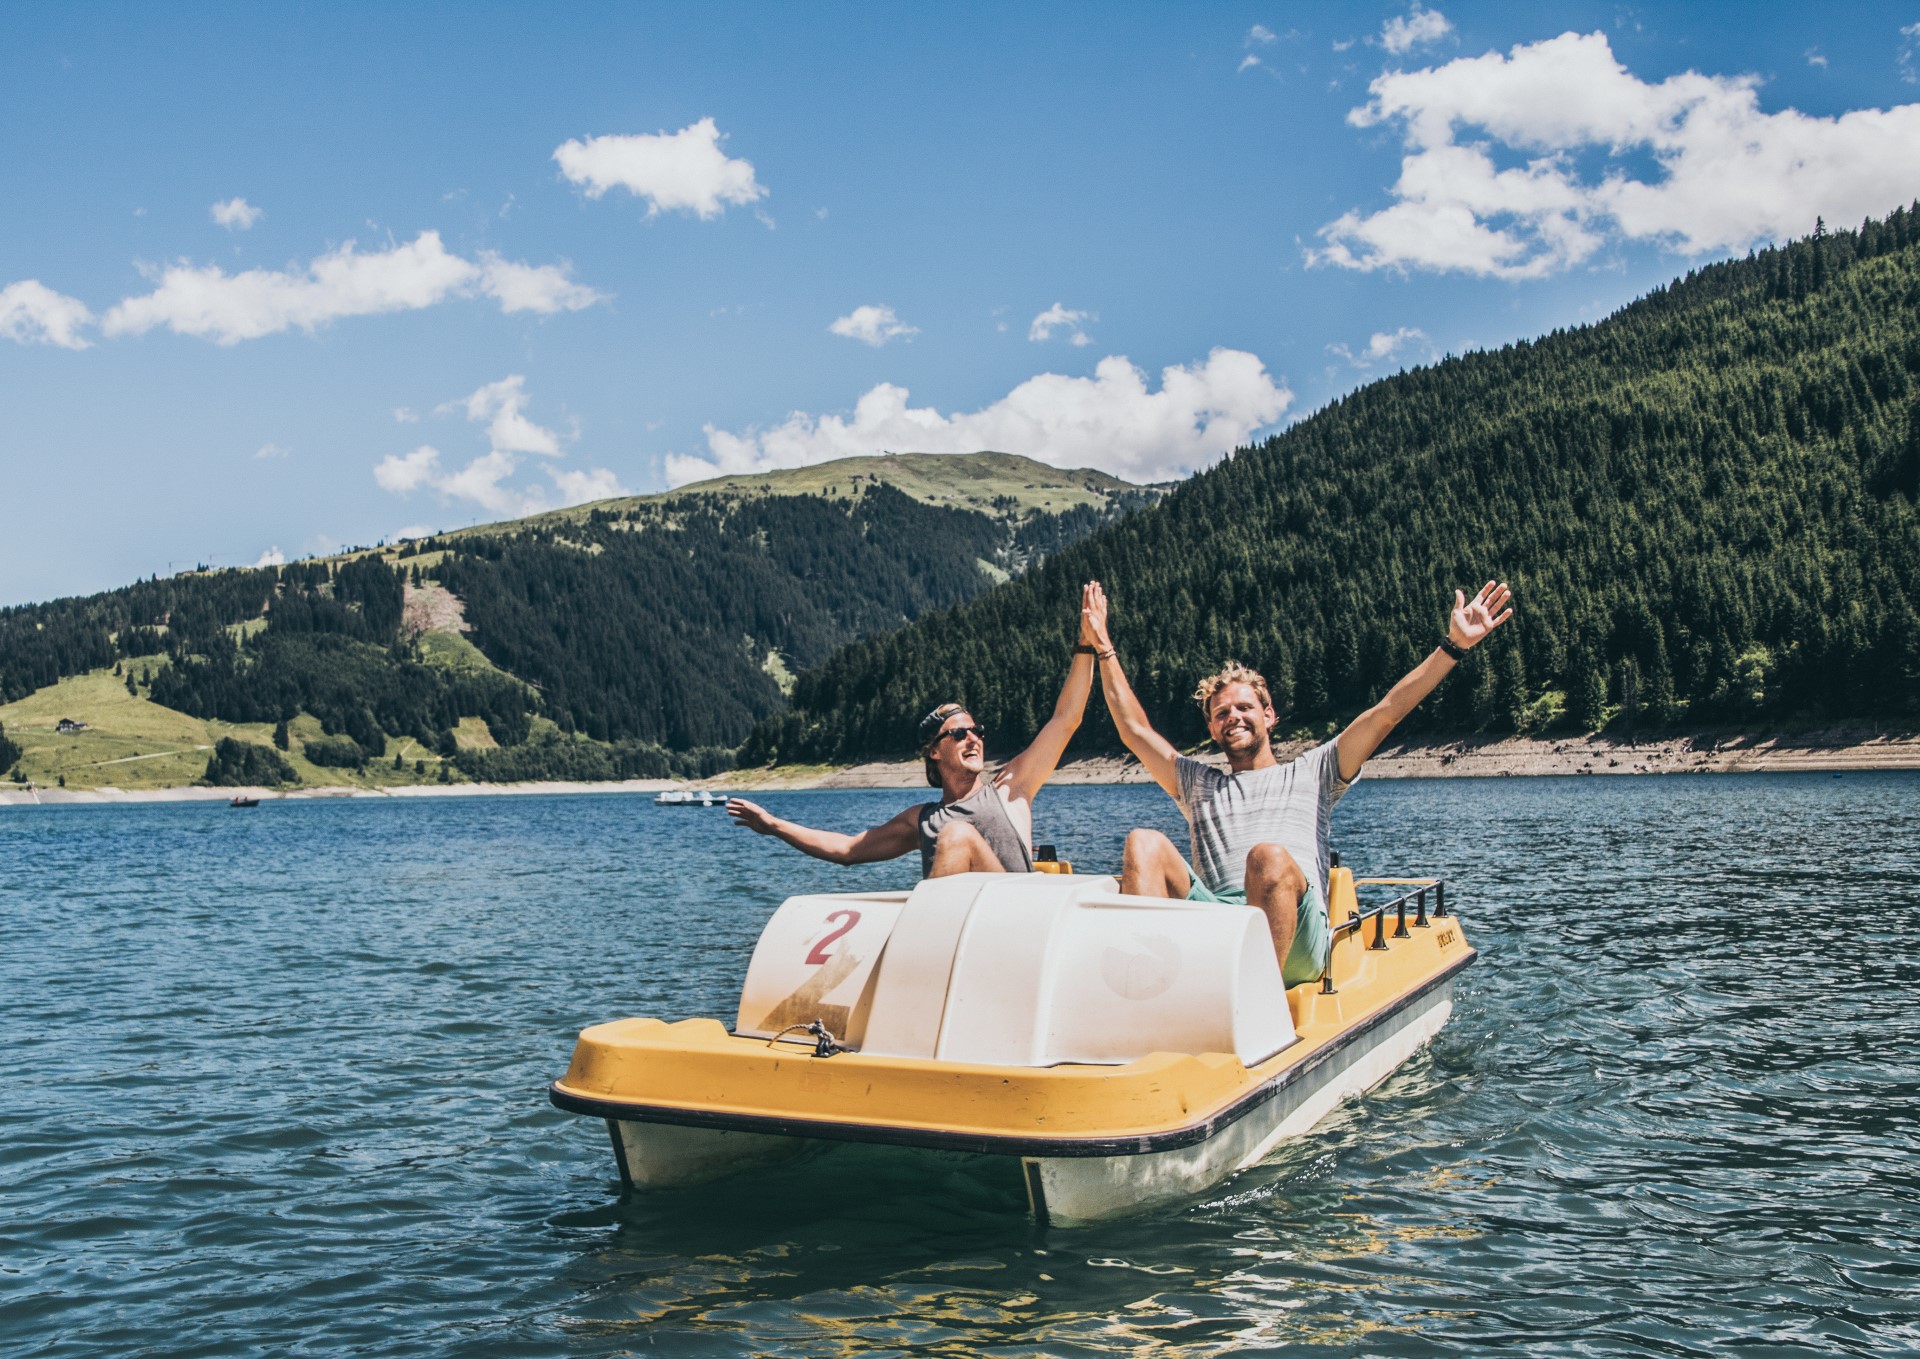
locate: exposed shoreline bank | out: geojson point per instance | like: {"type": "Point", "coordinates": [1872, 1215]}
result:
{"type": "Point", "coordinates": [1839, 751]}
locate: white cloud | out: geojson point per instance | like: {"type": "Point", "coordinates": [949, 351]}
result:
{"type": "Point", "coordinates": [480, 483]}
{"type": "Point", "coordinates": [273, 556]}
{"type": "Point", "coordinates": [1728, 174]}
{"type": "Point", "coordinates": [32, 313]}
{"type": "Point", "coordinates": [1248, 60]}
{"type": "Point", "coordinates": [412, 531]}
{"type": "Point", "coordinates": [1111, 420]}
{"type": "Point", "coordinates": [236, 214]}
{"type": "Point", "coordinates": [1260, 34]}
{"type": "Point", "coordinates": [503, 406]}
{"type": "Point", "coordinates": [405, 415]}
{"type": "Point", "coordinates": [872, 325]}
{"type": "Point", "coordinates": [266, 451]}
{"type": "Point", "coordinates": [577, 488]}
{"type": "Point", "coordinates": [1905, 60]}
{"type": "Point", "coordinates": [1381, 345]}
{"type": "Point", "coordinates": [229, 308]}
{"type": "Point", "coordinates": [684, 171]}
{"type": "Point", "coordinates": [1416, 28]}
{"type": "Point", "coordinates": [1815, 57]}
{"type": "Point", "coordinates": [542, 288]}
{"type": "Point", "coordinates": [483, 482]}
{"type": "Point", "coordinates": [404, 472]}
{"type": "Point", "coordinates": [1059, 317]}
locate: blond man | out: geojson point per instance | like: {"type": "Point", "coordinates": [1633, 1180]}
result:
{"type": "Point", "coordinates": [1259, 830]}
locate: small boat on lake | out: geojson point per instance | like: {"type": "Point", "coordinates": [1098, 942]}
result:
{"type": "Point", "coordinates": [245, 802]}
{"type": "Point", "coordinates": [1113, 1052]}
{"type": "Point", "coordinates": [690, 797]}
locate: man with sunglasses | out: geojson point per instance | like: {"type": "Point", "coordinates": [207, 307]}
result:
{"type": "Point", "coordinates": [983, 823]}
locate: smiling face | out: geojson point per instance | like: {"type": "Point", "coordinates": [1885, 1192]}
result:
{"type": "Point", "coordinates": [1239, 721]}
{"type": "Point", "coordinates": [953, 753]}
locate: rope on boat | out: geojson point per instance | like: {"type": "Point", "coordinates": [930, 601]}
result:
{"type": "Point", "coordinates": [824, 1043]}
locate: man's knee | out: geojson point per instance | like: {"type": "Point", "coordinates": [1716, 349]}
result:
{"type": "Point", "coordinates": [961, 848]}
{"type": "Point", "coordinates": [959, 834]}
{"type": "Point", "coordinates": [1146, 846]}
{"type": "Point", "coordinates": [1271, 863]}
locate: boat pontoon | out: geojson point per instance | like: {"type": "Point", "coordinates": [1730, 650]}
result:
{"type": "Point", "coordinates": [1122, 1051]}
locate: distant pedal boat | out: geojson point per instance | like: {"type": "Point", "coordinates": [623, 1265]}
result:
{"type": "Point", "coordinates": [694, 797]}
{"type": "Point", "coordinates": [1120, 1052]}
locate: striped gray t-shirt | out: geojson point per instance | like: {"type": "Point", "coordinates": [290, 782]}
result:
{"type": "Point", "coordinates": [1289, 804]}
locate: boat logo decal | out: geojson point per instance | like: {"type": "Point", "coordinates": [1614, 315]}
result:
{"type": "Point", "coordinates": [1144, 974]}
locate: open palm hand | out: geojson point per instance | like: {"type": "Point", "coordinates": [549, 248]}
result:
{"type": "Point", "coordinates": [1474, 619]}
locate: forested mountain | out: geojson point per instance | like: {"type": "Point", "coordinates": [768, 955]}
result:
{"type": "Point", "coordinates": [1705, 504]}
{"type": "Point", "coordinates": [670, 622]}
{"type": "Point", "coordinates": [639, 637]}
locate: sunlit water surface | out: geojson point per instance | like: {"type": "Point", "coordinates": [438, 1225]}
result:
{"type": "Point", "coordinates": [274, 1084]}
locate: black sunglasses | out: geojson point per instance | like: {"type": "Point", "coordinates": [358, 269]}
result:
{"type": "Point", "coordinates": [962, 733]}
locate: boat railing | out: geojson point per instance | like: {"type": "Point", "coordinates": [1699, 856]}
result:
{"type": "Point", "coordinates": [1356, 921]}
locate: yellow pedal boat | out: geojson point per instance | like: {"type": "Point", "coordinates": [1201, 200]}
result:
{"type": "Point", "coordinates": [1125, 1051]}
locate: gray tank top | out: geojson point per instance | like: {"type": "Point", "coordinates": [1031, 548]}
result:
{"type": "Point", "coordinates": [986, 810]}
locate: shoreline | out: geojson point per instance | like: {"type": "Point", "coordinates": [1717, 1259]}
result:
{"type": "Point", "coordinates": [1838, 751]}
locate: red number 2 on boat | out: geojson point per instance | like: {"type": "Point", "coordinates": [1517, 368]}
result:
{"type": "Point", "coordinates": [819, 954]}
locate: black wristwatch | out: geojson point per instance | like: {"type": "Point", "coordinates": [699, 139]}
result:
{"type": "Point", "coordinates": [1459, 653]}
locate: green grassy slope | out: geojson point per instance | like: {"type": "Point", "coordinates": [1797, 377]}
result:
{"type": "Point", "coordinates": [1001, 484]}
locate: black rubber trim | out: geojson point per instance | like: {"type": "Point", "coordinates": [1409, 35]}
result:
{"type": "Point", "coordinates": [1036, 1193]}
{"type": "Point", "coordinates": [995, 1144]}
{"type": "Point", "coordinates": [620, 1152]}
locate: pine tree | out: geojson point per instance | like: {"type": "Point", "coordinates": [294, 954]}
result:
{"type": "Point", "coordinates": [1587, 703]}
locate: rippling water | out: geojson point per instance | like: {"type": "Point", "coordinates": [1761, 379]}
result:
{"type": "Point", "coordinates": [274, 1084]}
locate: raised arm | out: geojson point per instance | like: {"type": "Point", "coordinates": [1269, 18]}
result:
{"type": "Point", "coordinates": [1024, 774]}
{"type": "Point", "coordinates": [1136, 733]}
{"type": "Point", "coordinates": [1471, 622]}
{"type": "Point", "coordinates": [888, 840]}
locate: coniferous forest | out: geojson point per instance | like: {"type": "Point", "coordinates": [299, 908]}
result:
{"type": "Point", "coordinates": [1705, 505]}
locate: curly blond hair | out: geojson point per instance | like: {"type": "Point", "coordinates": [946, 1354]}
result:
{"type": "Point", "coordinates": [1231, 673]}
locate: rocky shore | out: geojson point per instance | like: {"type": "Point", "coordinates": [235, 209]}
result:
{"type": "Point", "coordinates": [1837, 750]}
{"type": "Point", "coordinates": [1840, 750]}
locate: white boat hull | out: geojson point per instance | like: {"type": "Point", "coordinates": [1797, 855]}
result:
{"type": "Point", "coordinates": [1069, 1190]}
{"type": "Point", "coordinates": [1077, 1189]}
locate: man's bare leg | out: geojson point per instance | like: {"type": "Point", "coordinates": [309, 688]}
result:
{"type": "Point", "coordinates": [1275, 885]}
{"type": "Point", "coordinates": [1152, 867]}
{"type": "Point", "coordinates": [962, 849]}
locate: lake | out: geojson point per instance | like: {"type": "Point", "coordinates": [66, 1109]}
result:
{"type": "Point", "coordinates": [275, 1085]}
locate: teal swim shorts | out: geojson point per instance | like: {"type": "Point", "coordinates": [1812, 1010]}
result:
{"type": "Point", "coordinates": [1312, 938]}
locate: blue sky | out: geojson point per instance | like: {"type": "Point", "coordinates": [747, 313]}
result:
{"type": "Point", "coordinates": [276, 280]}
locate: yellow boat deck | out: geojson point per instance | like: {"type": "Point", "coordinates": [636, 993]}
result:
{"type": "Point", "coordinates": [695, 1073]}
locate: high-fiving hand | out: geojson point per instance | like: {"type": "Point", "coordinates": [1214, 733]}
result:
{"type": "Point", "coordinates": [1093, 616]}
{"type": "Point", "coordinates": [1474, 619]}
